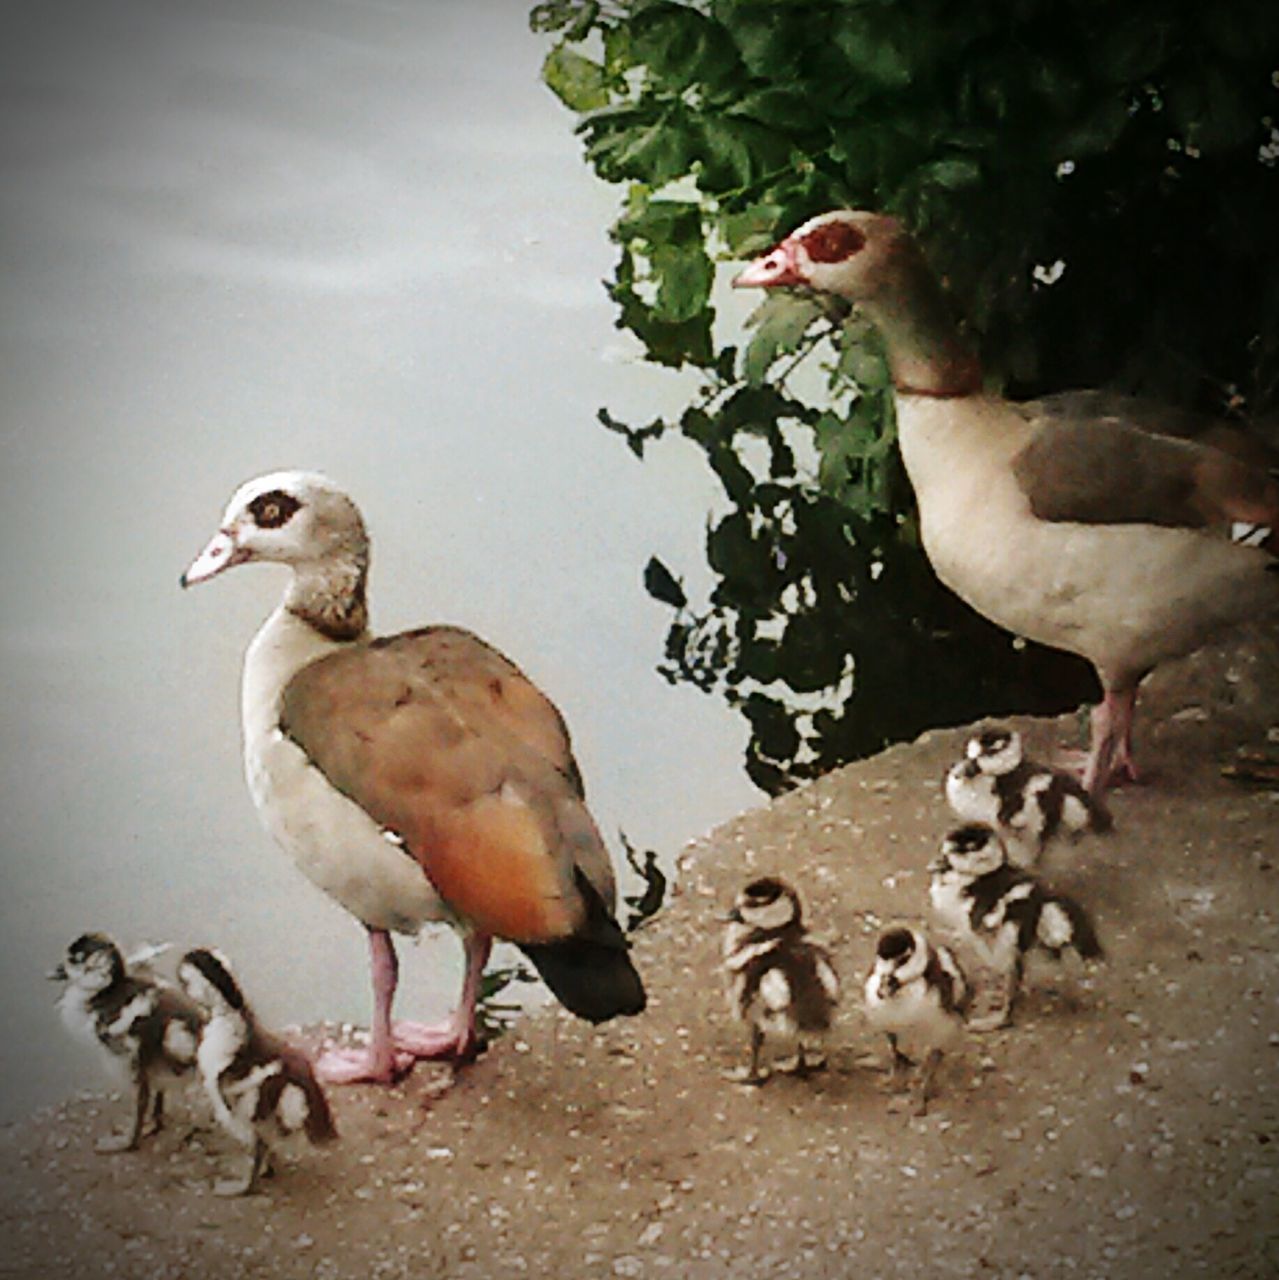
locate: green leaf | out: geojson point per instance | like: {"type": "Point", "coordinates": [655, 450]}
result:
{"type": "Point", "coordinates": [582, 23]}
{"type": "Point", "coordinates": [780, 323]}
{"type": "Point", "coordinates": [551, 16]}
{"type": "Point", "coordinates": [682, 47]}
{"type": "Point", "coordinates": [736, 153]}
{"type": "Point", "coordinates": [775, 733]}
{"type": "Point", "coordinates": [668, 235]}
{"type": "Point", "coordinates": [877, 48]}
{"type": "Point", "coordinates": [770, 38]}
{"type": "Point", "coordinates": [778, 107]}
{"type": "Point", "coordinates": [644, 144]}
{"type": "Point", "coordinates": [953, 173]}
{"type": "Point", "coordinates": [1096, 133]}
{"type": "Point", "coordinates": [1241, 29]}
{"type": "Point", "coordinates": [618, 54]}
{"type": "Point", "coordinates": [668, 343]}
{"type": "Point", "coordinates": [660, 221]}
{"type": "Point", "coordinates": [636, 437]}
{"type": "Point", "coordinates": [579, 83]}
{"type": "Point", "coordinates": [1058, 84]}
{"type": "Point", "coordinates": [684, 275]}
{"type": "Point", "coordinates": [758, 660]}
{"type": "Point", "coordinates": [752, 231]}
{"type": "Point", "coordinates": [730, 548]}
{"type": "Point", "coordinates": [863, 364]}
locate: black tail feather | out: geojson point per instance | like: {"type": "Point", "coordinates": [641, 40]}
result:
{"type": "Point", "coordinates": [595, 982]}
{"type": "Point", "coordinates": [591, 973]}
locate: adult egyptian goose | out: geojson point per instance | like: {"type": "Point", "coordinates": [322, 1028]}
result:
{"type": "Point", "coordinates": [416, 778]}
{"type": "Point", "coordinates": [1091, 534]}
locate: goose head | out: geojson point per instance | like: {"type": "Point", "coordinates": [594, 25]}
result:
{"type": "Point", "coordinates": [871, 261]}
{"type": "Point", "coordinates": [297, 518]}
{"type": "Point", "coordinates": [849, 253]}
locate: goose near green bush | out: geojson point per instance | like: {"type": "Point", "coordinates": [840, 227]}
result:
{"type": "Point", "coordinates": [416, 778]}
{"type": "Point", "coordinates": [1080, 528]}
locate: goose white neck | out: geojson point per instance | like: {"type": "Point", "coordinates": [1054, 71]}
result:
{"type": "Point", "coordinates": [286, 642]}
{"type": "Point", "coordinates": [330, 595]}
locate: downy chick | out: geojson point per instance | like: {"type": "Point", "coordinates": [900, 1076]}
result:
{"type": "Point", "coordinates": [778, 981]}
{"type": "Point", "coordinates": [1003, 912]}
{"type": "Point", "coordinates": [916, 993]}
{"type": "Point", "coordinates": [257, 1083]}
{"type": "Point", "coordinates": [1026, 802]}
{"type": "Point", "coordinates": [146, 1031]}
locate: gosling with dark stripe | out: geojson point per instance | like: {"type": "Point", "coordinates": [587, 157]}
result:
{"type": "Point", "coordinates": [1026, 802]}
{"type": "Point", "coordinates": [258, 1084]}
{"type": "Point", "coordinates": [1003, 912]}
{"type": "Point", "coordinates": [917, 994]}
{"type": "Point", "coordinates": [778, 981]}
{"type": "Point", "coordinates": [146, 1031]}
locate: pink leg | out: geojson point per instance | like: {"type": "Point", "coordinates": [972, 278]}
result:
{"type": "Point", "coordinates": [1110, 756]}
{"type": "Point", "coordinates": [456, 1037]}
{"type": "Point", "coordinates": [393, 1048]}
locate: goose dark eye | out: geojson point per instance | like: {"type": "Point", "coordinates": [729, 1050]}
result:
{"type": "Point", "coordinates": [271, 510]}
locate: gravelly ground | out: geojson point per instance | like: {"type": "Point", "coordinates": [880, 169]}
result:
{"type": "Point", "coordinates": [1127, 1126]}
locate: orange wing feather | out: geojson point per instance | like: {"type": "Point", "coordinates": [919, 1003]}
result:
{"type": "Point", "coordinates": [447, 743]}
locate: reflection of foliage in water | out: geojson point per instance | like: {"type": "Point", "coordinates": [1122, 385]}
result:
{"type": "Point", "coordinates": [1097, 185]}
{"type": "Point", "coordinates": [648, 902]}
{"type": "Point", "coordinates": [493, 1016]}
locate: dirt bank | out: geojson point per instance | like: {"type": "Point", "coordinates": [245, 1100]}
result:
{"type": "Point", "coordinates": [1127, 1126]}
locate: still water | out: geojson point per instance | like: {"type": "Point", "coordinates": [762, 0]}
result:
{"type": "Point", "coordinates": [352, 237]}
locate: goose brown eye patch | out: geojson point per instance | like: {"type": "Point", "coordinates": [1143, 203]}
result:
{"type": "Point", "coordinates": [271, 510]}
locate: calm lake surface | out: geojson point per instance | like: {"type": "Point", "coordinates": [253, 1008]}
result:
{"type": "Point", "coordinates": [352, 237]}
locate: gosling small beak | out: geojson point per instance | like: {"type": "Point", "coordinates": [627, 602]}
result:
{"type": "Point", "coordinates": [57, 974]}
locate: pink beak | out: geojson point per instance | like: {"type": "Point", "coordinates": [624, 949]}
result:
{"type": "Point", "coordinates": [221, 553]}
{"type": "Point", "coordinates": [776, 268]}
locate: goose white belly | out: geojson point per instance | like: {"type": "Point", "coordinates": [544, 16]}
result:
{"type": "Point", "coordinates": [1126, 596]}
{"type": "Point", "coordinates": [335, 844]}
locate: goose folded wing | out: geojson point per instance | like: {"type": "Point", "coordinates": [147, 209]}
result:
{"type": "Point", "coordinates": [448, 746]}
{"type": "Point", "coordinates": [1107, 471]}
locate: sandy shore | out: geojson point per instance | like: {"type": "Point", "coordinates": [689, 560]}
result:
{"type": "Point", "coordinates": [1126, 1126]}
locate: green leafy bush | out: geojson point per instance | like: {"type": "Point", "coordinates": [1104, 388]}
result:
{"type": "Point", "coordinates": [1098, 186]}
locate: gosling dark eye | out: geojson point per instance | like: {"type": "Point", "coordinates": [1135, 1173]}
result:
{"type": "Point", "coordinates": [274, 509]}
